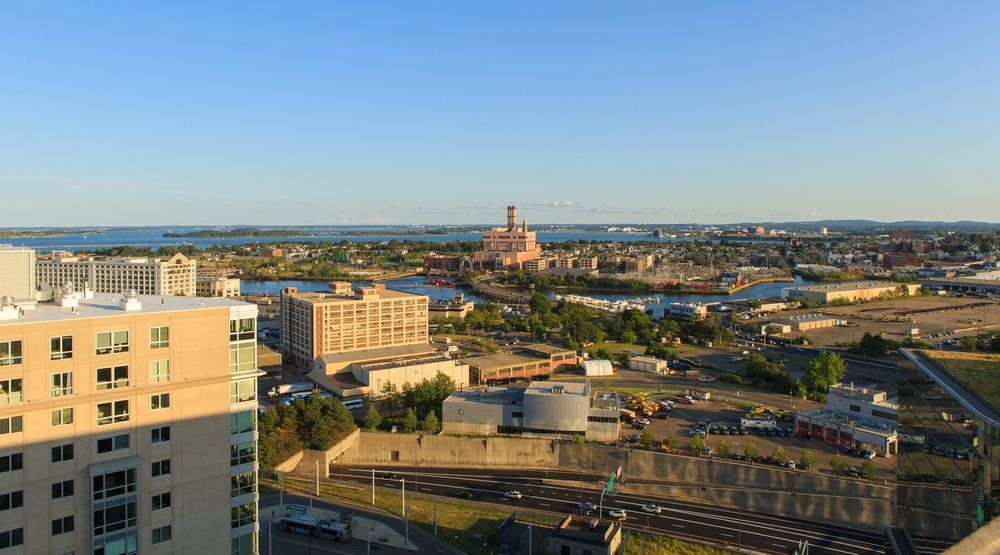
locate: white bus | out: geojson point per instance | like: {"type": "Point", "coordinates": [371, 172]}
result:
{"type": "Point", "coordinates": [355, 403]}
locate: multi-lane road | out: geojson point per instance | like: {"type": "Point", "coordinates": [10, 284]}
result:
{"type": "Point", "coordinates": [563, 491]}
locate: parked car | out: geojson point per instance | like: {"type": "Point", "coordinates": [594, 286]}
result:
{"type": "Point", "coordinates": [513, 495]}
{"type": "Point", "coordinates": [853, 472]}
{"type": "Point", "coordinates": [617, 513]}
{"type": "Point", "coordinates": [868, 454]}
{"type": "Point", "coordinates": [655, 509]}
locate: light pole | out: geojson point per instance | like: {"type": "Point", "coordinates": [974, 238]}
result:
{"type": "Point", "coordinates": [317, 477]}
{"type": "Point", "coordinates": [369, 541]}
{"type": "Point", "coordinates": [270, 549]}
{"type": "Point", "coordinates": [435, 516]}
{"type": "Point", "coordinates": [373, 487]}
{"type": "Point", "coordinates": [406, 521]}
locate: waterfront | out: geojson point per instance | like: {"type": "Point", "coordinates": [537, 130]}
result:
{"type": "Point", "coordinates": [416, 284]}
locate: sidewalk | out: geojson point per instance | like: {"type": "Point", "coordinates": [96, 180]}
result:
{"type": "Point", "coordinates": [363, 529]}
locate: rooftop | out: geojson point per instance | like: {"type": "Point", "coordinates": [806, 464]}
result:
{"type": "Point", "coordinates": [557, 388]}
{"type": "Point", "coordinates": [379, 354]}
{"type": "Point", "coordinates": [847, 286]}
{"type": "Point", "coordinates": [490, 395]}
{"type": "Point", "coordinates": [815, 317]}
{"type": "Point", "coordinates": [106, 305]}
{"type": "Point", "coordinates": [594, 531]}
{"type": "Point", "coordinates": [844, 419]}
{"type": "Point", "coordinates": [353, 296]}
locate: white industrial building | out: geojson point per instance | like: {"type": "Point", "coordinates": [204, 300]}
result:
{"type": "Point", "coordinates": [593, 368]}
{"type": "Point", "coordinates": [542, 409]}
{"type": "Point", "coordinates": [860, 417]}
{"type": "Point", "coordinates": [686, 311]}
{"type": "Point", "coordinates": [648, 364]}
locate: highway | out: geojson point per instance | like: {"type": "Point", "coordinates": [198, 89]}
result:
{"type": "Point", "coordinates": [562, 492]}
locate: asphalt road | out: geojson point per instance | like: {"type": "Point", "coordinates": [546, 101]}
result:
{"type": "Point", "coordinates": [761, 532]}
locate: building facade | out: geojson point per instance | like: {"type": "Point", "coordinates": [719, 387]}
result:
{"type": "Point", "coordinates": [347, 319]}
{"type": "Point", "coordinates": [861, 417]}
{"type": "Point", "coordinates": [848, 292]}
{"type": "Point", "coordinates": [523, 363]}
{"type": "Point", "coordinates": [507, 247]}
{"type": "Point", "coordinates": [129, 426]}
{"type": "Point", "coordinates": [174, 276]}
{"type": "Point", "coordinates": [686, 311]}
{"type": "Point", "coordinates": [17, 273]}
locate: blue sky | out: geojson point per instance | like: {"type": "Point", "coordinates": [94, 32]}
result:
{"type": "Point", "coordinates": [444, 112]}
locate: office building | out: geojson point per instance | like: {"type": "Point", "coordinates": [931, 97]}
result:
{"type": "Point", "coordinates": [128, 425]}
{"type": "Point", "coordinates": [543, 409]}
{"type": "Point", "coordinates": [507, 247]}
{"type": "Point", "coordinates": [147, 276]}
{"type": "Point", "coordinates": [346, 319]}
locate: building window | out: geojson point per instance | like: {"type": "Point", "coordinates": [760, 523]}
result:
{"type": "Point", "coordinates": [517, 415]}
{"type": "Point", "coordinates": [61, 347]}
{"type": "Point", "coordinates": [159, 371]}
{"type": "Point", "coordinates": [243, 514]}
{"type": "Point", "coordinates": [13, 461]}
{"type": "Point", "coordinates": [62, 525]}
{"type": "Point", "coordinates": [855, 408]}
{"type": "Point", "coordinates": [109, 342]}
{"type": "Point", "coordinates": [243, 329]}
{"type": "Point", "coordinates": [161, 468]}
{"type": "Point", "coordinates": [242, 453]}
{"type": "Point", "coordinates": [12, 538]}
{"type": "Point", "coordinates": [159, 337]}
{"type": "Point", "coordinates": [10, 352]}
{"type": "Point", "coordinates": [159, 401]}
{"type": "Point", "coordinates": [241, 422]}
{"type": "Point", "coordinates": [10, 391]}
{"type": "Point", "coordinates": [113, 443]}
{"type": "Point", "coordinates": [62, 489]}
{"type": "Point", "coordinates": [61, 417]}
{"type": "Point", "coordinates": [244, 545]}
{"type": "Point", "coordinates": [62, 453]}
{"type": "Point", "coordinates": [885, 415]}
{"type": "Point", "coordinates": [242, 391]}
{"type": "Point", "coordinates": [11, 500]}
{"type": "Point", "coordinates": [111, 517]}
{"type": "Point", "coordinates": [113, 484]}
{"type": "Point", "coordinates": [242, 358]}
{"type": "Point", "coordinates": [61, 384]}
{"type": "Point", "coordinates": [159, 435]}
{"type": "Point", "coordinates": [161, 501]}
{"type": "Point", "coordinates": [112, 377]}
{"type": "Point", "coordinates": [243, 483]}
{"type": "Point", "coordinates": [161, 534]}
{"type": "Point", "coordinates": [111, 412]}
{"type": "Point", "coordinates": [10, 425]}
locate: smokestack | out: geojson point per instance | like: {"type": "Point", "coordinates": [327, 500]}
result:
{"type": "Point", "coordinates": [525, 225]}
{"type": "Point", "coordinates": [511, 217]}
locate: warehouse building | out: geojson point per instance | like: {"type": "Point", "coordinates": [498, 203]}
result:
{"type": "Point", "coordinates": [592, 368]}
{"type": "Point", "coordinates": [366, 372]}
{"type": "Point", "coordinates": [648, 364]}
{"type": "Point", "coordinates": [964, 285]}
{"type": "Point", "coordinates": [542, 409]}
{"type": "Point", "coordinates": [853, 291]}
{"type": "Point", "coordinates": [806, 322]}
{"type": "Point", "coordinates": [534, 361]}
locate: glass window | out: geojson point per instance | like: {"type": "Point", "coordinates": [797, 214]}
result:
{"type": "Point", "coordinates": [241, 391]}
{"type": "Point", "coordinates": [62, 525]}
{"type": "Point", "coordinates": [111, 412]}
{"type": "Point", "coordinates": [62, 452]}
{"type": "Point", "coordinates": [61, 417]}
{"type": "Point", "coordinates": [62, 489]}
{"type": "Point", "coordinates": [159, 337]}
{"type": "Point", "coordinates": [10, 425]}
{"type": "Point", "coordinates": [10, 391]}
{"type": "Point", "coordinates": [243, 329]}
{"type": "Point", "coordinates": [61, 384]}
{"type": "Point", "coordinates": [241, 422]}
{"type": "Point", "coordinates": [244, 545]}
{"type": "Point", "coordinates": [159, 371]}
{"type": "Point", "coordinates": [242, 453]}
{"type": "Point", "coordinates": [161, 501]}
{"type": "Point", "coordinates": [61, 347]}
{"type": "Point", "coordinates": [11, 500]}
{"type": "Point", "coordinates": [109, 342]}
{"type": "Point", "coordinates": [112, 377]}
{"type": "Point", "coordinates": [159, 435]}
{"type": "Point", "coordinates": [159, 401]}
{"type": "Point", "coordinates": [13, 461]}
{"type": "Point", "coordinates": [10, 352]}
{"type": "Point", "coordinates": [244, 514]}
{"type": "Point", "coordinates": [161, 468]}
{"type": "Point", "coordinates": [242, 358]}
{"type": "Point", "coordinates": [113, 516]}
{"type": "Point", "coordinates": [113, 484]}
{"type": "Point", "coordinates": [161, 534]}
{"type": "Point", "coordinates": [243, 483]}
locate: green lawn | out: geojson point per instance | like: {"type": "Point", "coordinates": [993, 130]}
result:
{"type": "Point", "coordinates": [979, 372]}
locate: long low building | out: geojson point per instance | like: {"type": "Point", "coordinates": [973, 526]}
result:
{"type": "Point", "coordinates": [852, 291]}
{"type": "Point", "coordinates": [523, 363]}
{"type": "Point", "coordinates": [845, 430]}
{"type": "Point", "coordinates": [366, 372]}
{"type": "Point", "coordinates": [542, 409]}
{"type": "Point", "coordinates": [964, 285]}
{"type": "Point", "coordinates": [806, 322]}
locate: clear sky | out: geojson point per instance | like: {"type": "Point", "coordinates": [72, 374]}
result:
{"type": "Point", "coordinates": [126, 113]}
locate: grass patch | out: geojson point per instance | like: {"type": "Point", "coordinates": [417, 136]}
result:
{"type": "Point", "coordinates": [979, 372]}
{"type": "Point", "coordinates": [656, 544]}
{"type": "Point", "coordinates": [457, 523]}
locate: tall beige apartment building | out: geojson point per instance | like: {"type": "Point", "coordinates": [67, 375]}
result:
{"type": "Point", "coordinates": [347, 319]}
{"type": "Point", "coordinates": [174, 276]}
{"type": "Point", "coordinates": [128, 425]}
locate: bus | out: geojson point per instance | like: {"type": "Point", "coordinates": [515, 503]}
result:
{"type": "Point", "coordinates": [311, 526]}
{"type": "Point", "coordinates": [355, 403]}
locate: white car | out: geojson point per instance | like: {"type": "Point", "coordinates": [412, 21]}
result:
{"type": "Point", "coordinates": [617, 513]}
{"type": "Point", "coordinates": [644, 421]}
{"type": "Point", "coordinates": [706, 379]}
{"type": "Point", "coordinates": [655, 509]}
{"type": "Point", "coordinates": [513, 495]}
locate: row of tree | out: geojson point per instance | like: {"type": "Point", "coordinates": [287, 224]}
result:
{"type": "Point", "coordinates": [313, 423]}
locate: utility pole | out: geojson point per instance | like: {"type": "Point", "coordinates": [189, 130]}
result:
{"type": "Point", "coordinates": [281, 490]}
{"type": "Point", "coordinates": [435, 516]}
{"type": "Point", "coordinates": [317, 477]}
{"type": "Point", "coordinates": [406, 521]}
{"type": "Point", "coordinates": [373, 487]}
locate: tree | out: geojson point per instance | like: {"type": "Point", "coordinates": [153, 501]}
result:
{"type": "Point", "coordinates": [671, 443]}
{"type": "Point", "coordinates": [969, 344]}
{"type": "Point", "coordinates": [646, 438]}
{"type": "Point", "coordinates": [807, 459]}
{"type": "Point", "coordinates": [697, 444]}
{"type": "Point", "coordinates": [723, 450]}
{"type": "Point", "coordinates": [909, 469]}
{"type": "Point", "coordinates": [751, 452]}
{"type": "Point", "coordinates": [391, 396]}
{"type": "Point", "coordinates": [372, 418]}
{"type": "Point", "coordinates": [822, 372]}
{"type": "Point", "coordinates": [430, 423]}
{"type": "Point", "coordinates": [868, 468]}
{"type": "Point", "coordinates": [780, 455]}
{"type": "Point", "coordinates": [838, 464]}
{"type": "Point", "coordinates": [410, 421]}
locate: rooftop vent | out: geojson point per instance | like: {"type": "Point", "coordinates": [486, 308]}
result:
{"type": "Point", "coordinates": [130, 301]}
